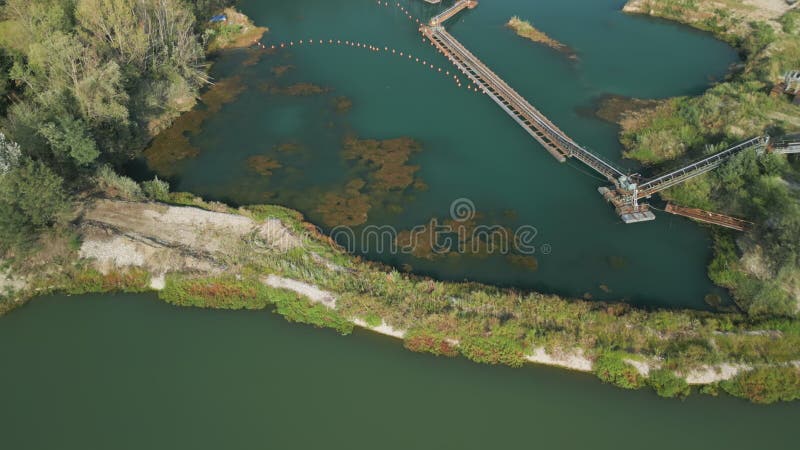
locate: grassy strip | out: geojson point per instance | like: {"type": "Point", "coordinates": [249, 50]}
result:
{"type": "Point", "coordinates": [230, 292]}
{"type": "Point", "coordinates": [766, 385]}
{"type": "Point", "coordinates": [422, 342]}
{"type": "Point", "coordinates": [491, 325]}
{"type": "Point", "coordinates": [224, 292]}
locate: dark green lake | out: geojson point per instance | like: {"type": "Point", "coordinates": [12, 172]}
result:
{"type": "Point", "coordinates": [470, 148]}
{"type": "Point", "coordinates": [130, 372]}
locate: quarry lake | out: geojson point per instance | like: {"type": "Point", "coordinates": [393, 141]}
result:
{"type": "Point", "coordinates": [356, 137]}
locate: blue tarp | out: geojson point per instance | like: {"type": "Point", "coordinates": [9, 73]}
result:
{"type": "Point", "coordinates": [219, 18]}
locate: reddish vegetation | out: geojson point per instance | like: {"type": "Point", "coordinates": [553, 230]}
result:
{"type": "Point", "coordinates": [219, 291]}
{"type": "Point", "coordinates": [430, 344]}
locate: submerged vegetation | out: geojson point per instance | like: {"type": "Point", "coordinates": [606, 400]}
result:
{"type": "Point", "coordinates": [379, 173]}
{"type": "Point", "coordinates": [295, 90]}
{"type": "Point", "coordinates": [263, 165]}
{"type": "Point", "coordinates": [173, 144]}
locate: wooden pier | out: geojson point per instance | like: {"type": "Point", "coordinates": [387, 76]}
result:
{"type": "Point", "coordinates": [456, 8]}
{"type": "Point", "coordinates": [627, 189]}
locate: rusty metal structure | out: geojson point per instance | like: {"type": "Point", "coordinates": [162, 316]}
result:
{"type": "Point", "coordinates": [709, 217]}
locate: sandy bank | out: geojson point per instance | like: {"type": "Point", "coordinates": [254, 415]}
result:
{"type": "Point", "coordinates": [573, 361]}
{"type": "Point", "coordinates": [310, 291]}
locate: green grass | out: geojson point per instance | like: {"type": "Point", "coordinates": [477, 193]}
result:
{"type": "Point", "coordinates": [766, 385]}
{"type": "Point", "coordinates": [667, 384]}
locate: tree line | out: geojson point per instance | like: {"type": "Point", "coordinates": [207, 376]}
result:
{"type": "Point", "coordinates": [83, 84]}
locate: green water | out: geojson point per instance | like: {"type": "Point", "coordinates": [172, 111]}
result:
{"type": "Point", "coordinates": [130, 372]}
{"type": "Point", "coordinates": [471, 149]}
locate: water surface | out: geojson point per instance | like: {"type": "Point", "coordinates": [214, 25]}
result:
{"type": "Point", "coordinates": [470, 148]}
{"type": "Point", "coordinates": [130, 372]}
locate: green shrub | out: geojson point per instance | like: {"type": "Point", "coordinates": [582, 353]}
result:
{"type": "Point", "coordinates": [220, 293]}
{"type": "Point", "coordinates": [117, 186]}
{"type": "Point", "coordinates": [667, 384]}
{"type": "Point", "coordinates": [373, 320]}
{"type": "Point", "coordinates": [32, 198]}
{"type": "Point", "coordinates": [493, 350]}
{"type": "Point", "coordinates": [90, 281]}
{"type": "Point", "coordinates": [710, 389]}
{"type": "Point", "coordinates": [611, 368]}
{"type": "Point", "coordinates": [766, 385]}
{"type": "Point", "coordinates": [156, 189]}
{"type": "Point", "coordinates": [296, 308]}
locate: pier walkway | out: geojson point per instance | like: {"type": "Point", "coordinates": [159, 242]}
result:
{"type": "Point", "coordinates": [456, 8]}
{"type": "Point", "coordinates": [627, 189]}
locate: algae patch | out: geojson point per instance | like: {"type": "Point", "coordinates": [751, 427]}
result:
{"type": "Point", "coordinates": [173, 144]}
{"type": "Point", "coordinates": [342, 104]}
{"type": "Point", "coordinates": [263, 165]}
{"type": "Point", "coordinates": [615, 108]}
{"type": "Point", "coordinates": [379, 175]}
{"type": "Point", "coordinates": [348, 206]}
{"type": "Point", "coordinates": [387, 160]}
{"type": "Point", "coordinates": [280, 71]}
{"type": "Point", "coordinates": [294, 90]}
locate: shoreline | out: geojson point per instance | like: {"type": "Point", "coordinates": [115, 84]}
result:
{"type": "Point", "coordinates": [204, 254]}
{"type": "Point", "coordinates": [178, 252]}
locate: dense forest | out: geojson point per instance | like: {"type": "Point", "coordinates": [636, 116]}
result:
{"type": "Point", "coordinates": [84, 85]}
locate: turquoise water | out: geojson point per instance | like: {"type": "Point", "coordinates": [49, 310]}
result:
{"type": "Point", "coordinates": [130, 372]}
{"type": "Point", "coordinates": [470, 148]}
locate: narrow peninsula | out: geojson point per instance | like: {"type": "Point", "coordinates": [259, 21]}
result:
{"type": "Point", "coordinates": [526, 30]}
